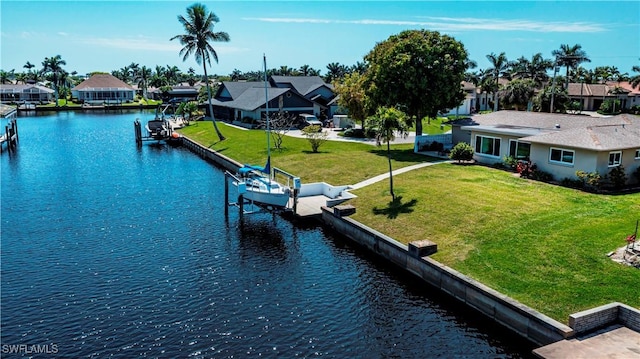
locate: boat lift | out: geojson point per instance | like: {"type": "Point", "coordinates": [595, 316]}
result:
{"type": "Point", "coordinates": [293, 183]}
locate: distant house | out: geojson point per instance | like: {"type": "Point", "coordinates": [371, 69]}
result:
{"type": "Point", "coordinates": [468, 105]}
{"type": "Point", "coordinates": [593, 95]}
{"type": "Point", "coordinates": [178, 93]}
{"type": "Point", "coordinates": [29, 93]}
{"type": "Point", "coordinates": [103, 88]}
{"type": "Point", "coordinates": [557, 144]}
{"type": "Point", "coordinates": [294, 94]}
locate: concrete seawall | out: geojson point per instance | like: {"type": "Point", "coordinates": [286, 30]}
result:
{"type": "Point", "coordinates": [211, 155]}
{"type": "Point", "coordinates": [533, 325]}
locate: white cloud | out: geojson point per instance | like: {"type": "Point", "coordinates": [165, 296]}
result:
{"type": "Point", "coordinates": [61, 33]}
{"type": "Point", "coordinates": [457, 24]}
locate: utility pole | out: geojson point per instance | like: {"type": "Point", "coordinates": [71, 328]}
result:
{"type": "Point", "coordinates": [553, 86]}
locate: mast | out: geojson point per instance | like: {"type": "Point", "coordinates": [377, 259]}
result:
{"type": "Point", "coordinates": [266, 98]}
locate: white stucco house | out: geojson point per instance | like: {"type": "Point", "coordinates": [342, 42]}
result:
{"type": "Point", "coordinates": [557, 144]}
{"type": "Point", "coordinates": [103, 88]}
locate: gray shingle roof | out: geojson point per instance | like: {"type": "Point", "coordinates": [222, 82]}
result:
{"type": "Point", "coordinates": [302, 84]}
{"type": "Point", "coordinates": [593, 133]}
{"type": "Point", "coordinates": [251, 99]}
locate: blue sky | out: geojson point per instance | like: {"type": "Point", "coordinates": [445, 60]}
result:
{"type": "Point", "coordinates": [108, 35]}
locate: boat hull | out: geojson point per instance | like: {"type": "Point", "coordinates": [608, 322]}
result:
{"type": "Point", "coordinates": [276, 199]}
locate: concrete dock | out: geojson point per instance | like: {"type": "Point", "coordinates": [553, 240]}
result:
{"type": "Point", "coordinates": [613, 342]}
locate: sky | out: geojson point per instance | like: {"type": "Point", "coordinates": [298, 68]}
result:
{"type": "Point", "coordinates": [109, 35]}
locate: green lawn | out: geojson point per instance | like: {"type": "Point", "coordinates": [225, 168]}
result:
{"type": "Point", "coordinates": [541, 244]}
{"type": "Point", "coordinates": [337, 162]}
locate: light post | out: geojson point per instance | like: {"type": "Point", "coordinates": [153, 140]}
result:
{"type": "Point", "coordinates": [553, 86]}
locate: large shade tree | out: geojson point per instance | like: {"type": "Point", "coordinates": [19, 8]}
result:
{"type": "Point", "coordinates": [199, 34]}
{"type": "Point", "coordinates": [386, 124]}
{"type": "Point", "coordinates": [420, 71]}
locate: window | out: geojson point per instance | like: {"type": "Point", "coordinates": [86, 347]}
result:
{"type": "Point", "coordinates": [488, 146]}
{"type": "Point", "coordinates": [559, 155]}
{"type": "Point", "coordinates": [519, 150]}
{"type": "Point", "coordinates": [615, 158]}
{"type": "Point", "coordinates": [638, 154]}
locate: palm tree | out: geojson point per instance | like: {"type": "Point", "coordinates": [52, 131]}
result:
{"type": "Point", "coordinates": [143, 78]}
{"type": "Point", "coordinates": [336, 72]}
{"type": "Point", "coordinates": [635, 79]}
{"type": "Point", "coordinates": [53, 66]}
{"type": "Point", "coordinates": [387, 122]}
{"type": "Point", "coordinates": [571, 57]}
{"type": "Point", "coordinates": [500, 68]}
{"type": "Point", "coordinates": [518, 93]}
{"type": "Point", "coordinates": [173, 74]}
{"type": "Point", "coordinates": [199, 33]}
{"type": "Point", "coordinates": [536, 69]}
{"type": "Point", "coordinates": [359, 67]}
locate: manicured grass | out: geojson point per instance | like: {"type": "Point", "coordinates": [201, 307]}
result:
{"type": "Point", "coordinates": [541, 244]}
{"type": "Point", "coordinates": [337, 162]}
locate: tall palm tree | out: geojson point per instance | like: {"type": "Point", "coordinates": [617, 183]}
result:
{"type": "Point", "coordinates": [336, 72]}
{"type": "Point", "coordinates": [499, 68]}
{"type": "Point", "coordinates": [570, 57]}
{"type": "Point", "coordinates": [143, 78]}
{"type": "Point", "coordinates": [6, 77]}
{"type": "Point", "coordinates": [198, 26]}
{"type": "Point", "coordinates": [52, 66]}
{"type": "Point", "coordinates": [387, 122]}
{"type": "Point", "coordinates": [534, 69]}
{"type": "Point", "coordinates": [29, 66]}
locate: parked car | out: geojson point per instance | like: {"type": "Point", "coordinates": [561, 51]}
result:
{"type": "Point", "coordinates": [305, 120]}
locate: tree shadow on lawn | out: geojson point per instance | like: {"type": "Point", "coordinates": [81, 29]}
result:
{"type": "Point", "coordinates": [395, 208]}
{"type": "Point", "coordinates": [402, 155]}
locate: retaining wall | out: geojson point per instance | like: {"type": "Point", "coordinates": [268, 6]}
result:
{"type": "Point", "coordinates": [525, 321]}
{"type": "Point", "coordinates": [211, 155]}
{"type": "Point", "coordinates": [605, 315]}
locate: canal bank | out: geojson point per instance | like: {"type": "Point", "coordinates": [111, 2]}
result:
{"type": "Point", "coordinates": [523, 320]}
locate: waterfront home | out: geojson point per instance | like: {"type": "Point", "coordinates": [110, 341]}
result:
{"type": "Point", "coordinates": [557, 144]}
{"type": "Point", "coordinates": [245, 100]}
{"type": "Point", "coordinates": [25, 93]}
{"type": "Point", "coordinates": [468, 105]}
{"type": "Point", "coordinates": [103, 88]}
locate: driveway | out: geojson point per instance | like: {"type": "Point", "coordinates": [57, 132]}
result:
{"type": "Point", "coordinates": [333, 136]}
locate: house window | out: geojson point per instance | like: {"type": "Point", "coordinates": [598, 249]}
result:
{"type": "Point", "coordinates": [615, 158]}
{"type": "Point", "coordinates": [638, 154]}
{"type": "Point", "coordinates": [488, 146]}
{"type": "Point", "coordinates": [519, 150]}
{"type": "Point", "coordinates": [559, 155]}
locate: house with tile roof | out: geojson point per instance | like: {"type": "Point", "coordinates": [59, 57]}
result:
{"type": "Point", "coordinates": [25, 93]}
{"type": "Point", "coordinates": [103, 88]}
{"type": "Point", "coordinates": [557, 144]}
{"type": "Point", "coordinates": [593, 95]}
{"type": "Point", "coordinates": [239, 100]}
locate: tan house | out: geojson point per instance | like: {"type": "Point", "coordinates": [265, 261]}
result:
{"type": "Point", "coordinates": [593, 95]}
{"type": "Point", "coordinates": [103, 88]}
{"type": "Point", "coordinates": [557, 144]}
{"type": "Point", "coordinates": [25, 93]}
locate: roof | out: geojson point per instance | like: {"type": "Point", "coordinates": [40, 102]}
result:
{"type": "Point", "coordinates": [597, 90]}
{"type": "Point", "coordinates": [575, 131]}
{"type": "Point", "coordinates": [18, 88]}
{"type": "Point", "coordinates": [101, 81]}
{"type": "Point", "coordinates": [302, 84]}
{"type": "Point", "coordinates": [248, 96]}
{"type": "Point", "coordinates": [597, 138]}
{"type": "Point", "coordinates": [6, 110]}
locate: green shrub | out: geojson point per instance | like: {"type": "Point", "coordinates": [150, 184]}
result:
{"type": "Point", "coordinates": [315, 136]}
{"type": "Point", "coordinates": [510, 162]}
{"type": "Point", "coordinates": [617, 177]}
{"type": "Point", "coordinates": [461, 152]}
{"type": "Point", "coordinates": [590, 180]}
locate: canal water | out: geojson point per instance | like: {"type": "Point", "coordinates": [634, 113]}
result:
{"type": "Point", "coordinates": [109, 250]}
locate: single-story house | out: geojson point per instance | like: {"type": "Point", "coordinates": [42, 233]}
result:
{"type": "Point", "coordinates": [31, 93]}
{"type": "Point", "coordinates": [593, 95]}
{"type": "Point", "coordinates": [103, 88]}
{"type": "Point", "coordinates": [557, 144]}
{"type": "Point", "coordinates": [244, 99]}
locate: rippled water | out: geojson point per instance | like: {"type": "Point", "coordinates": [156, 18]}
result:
{"type": "Point", "coordinates": [113, 251]}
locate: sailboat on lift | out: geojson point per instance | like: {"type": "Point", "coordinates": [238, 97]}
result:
{"type": "Point", "coordinates": [261, 186]}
